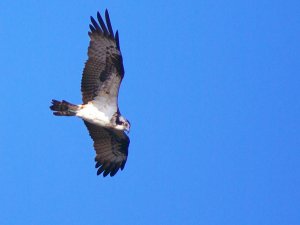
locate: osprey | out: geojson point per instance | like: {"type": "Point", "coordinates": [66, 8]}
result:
{"type": "Point", "coordinates": [100, 83]}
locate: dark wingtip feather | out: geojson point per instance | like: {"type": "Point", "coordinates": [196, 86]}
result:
{"type": "Point", "coordinates": [106, 172]}
{"type": "Point", "coordinates": [117, 40]}
{"type": "Point", "coordinates": [108, 169]}
{"type": "Point", "coordinates": [102, 24]}
{"type": "Point", "coordinates": [111, 32]}
{"type": "Point", "coordinates": [100, 170]}
{"type": "Point", "coordinates": [95, 24]}
{"type": "Point", "coordinates": [114, 171]}
{"type": "Point", "coordinates": [92, 28]}
{"type": "Point", "coordinates": [98, 164]}
{"type": "Point", "coordinates": [123, 165]}
{"type": "Point", "coordinates": [106, 29]}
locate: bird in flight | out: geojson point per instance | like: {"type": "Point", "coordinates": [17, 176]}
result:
{"type": "Point", "coordinates": [100, 83]}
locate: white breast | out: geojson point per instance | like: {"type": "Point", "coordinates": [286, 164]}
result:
{"type": "Point", "coordinates": [92, 114]}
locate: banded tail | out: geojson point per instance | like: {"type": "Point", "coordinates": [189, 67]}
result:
{"type": "Point", "coordinates": [63, 108]}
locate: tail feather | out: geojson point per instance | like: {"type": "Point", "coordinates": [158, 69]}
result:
{"type": "Point", "coordinates": [63, 108]}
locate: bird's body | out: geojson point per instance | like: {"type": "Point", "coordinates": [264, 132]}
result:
{"type": "Point", "coordinates": [100, 85]}
{"type": "Point", "coordinates": [89, 112]}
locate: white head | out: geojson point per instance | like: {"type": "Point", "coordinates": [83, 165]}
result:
{"type": "Point", "coordinates": [122, 124]}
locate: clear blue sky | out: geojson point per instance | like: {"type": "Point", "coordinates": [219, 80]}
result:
{"type": "Point", "coordinates": [212, 92]}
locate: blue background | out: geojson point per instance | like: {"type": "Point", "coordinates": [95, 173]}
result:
{"type": "Point", "coordinates": [212, 92]}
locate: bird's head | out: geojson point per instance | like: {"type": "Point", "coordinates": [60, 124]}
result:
{"type": "Point", "coordinates": [123, 124]}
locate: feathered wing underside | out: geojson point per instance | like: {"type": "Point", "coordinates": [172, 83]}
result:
{"type": "Point", "coordinates": [104, 69]}
{"type": "Point", "coordinates": [111, 148]}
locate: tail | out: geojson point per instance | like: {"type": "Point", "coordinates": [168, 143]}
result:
{"type": "Point", "coordinates": [63, 108]}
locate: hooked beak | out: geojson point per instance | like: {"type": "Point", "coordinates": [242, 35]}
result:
{"type": "Point", "coordinates": [127, 128]}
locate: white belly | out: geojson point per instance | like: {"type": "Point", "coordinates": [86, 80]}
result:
{"type": "Point", "coordinates": [92, 114]}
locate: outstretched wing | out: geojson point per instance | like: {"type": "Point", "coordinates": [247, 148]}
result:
{"type": "Point", "coordinates": [104, 69]}
{"type": "Point", "coordinates": [111, 148]}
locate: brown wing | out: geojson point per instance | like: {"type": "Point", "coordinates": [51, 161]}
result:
{"type": "Point", "coordinates": [111, 148]}
{"type": "Point", "coordinates": [104, 69]}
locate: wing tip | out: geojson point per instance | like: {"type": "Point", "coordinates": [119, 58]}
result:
{"type": "Point", "coordinates": [117, 40]}
{"type": "Point", "coordinates": [106, 12]}
{"type": "Point", "coordinates": [111, 170]}
{"type": "Point", "coordinates": [108, 23]}
{"type": "Point", "coordinates": [104, 28]}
